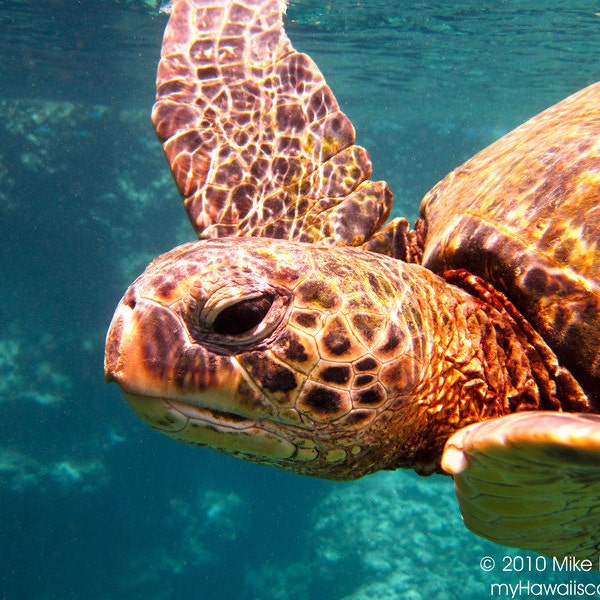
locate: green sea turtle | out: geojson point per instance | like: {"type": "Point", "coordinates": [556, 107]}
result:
{"type": "Point", "coordinates": [299, 331]}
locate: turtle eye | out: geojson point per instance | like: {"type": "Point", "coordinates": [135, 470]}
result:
{"type": "Point", "coordinates": [243, 316]}
{"type": "Point", "coordinates": [234, 317]}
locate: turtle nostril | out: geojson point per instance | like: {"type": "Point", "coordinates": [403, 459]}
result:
{"type": "Point", "coordinates": [129, 299]}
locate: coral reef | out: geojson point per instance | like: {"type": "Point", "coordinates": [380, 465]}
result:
{"type": "Point", "coordinates": [27, 371]}
{"type": "Point", "coordinates": [387, 536]}
{"type": "Point", "coordinates": [202, 528]}
{"type": "Point", "coordinates": [22, 473]}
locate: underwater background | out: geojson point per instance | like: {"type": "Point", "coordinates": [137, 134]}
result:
{"type": "Point", "coordinates": [93, 503]}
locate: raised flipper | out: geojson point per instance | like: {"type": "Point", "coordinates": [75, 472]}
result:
{"type": "Point", "coordinates": [531, 480]}
{"type": "Point", "coordinates": [254, 136]}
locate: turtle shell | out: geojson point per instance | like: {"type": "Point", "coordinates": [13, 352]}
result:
{"type": "Point", "coordinates": [524, 214]}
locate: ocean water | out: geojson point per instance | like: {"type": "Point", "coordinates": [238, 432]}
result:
{"type": "Point", "coordinates": [93, 503]}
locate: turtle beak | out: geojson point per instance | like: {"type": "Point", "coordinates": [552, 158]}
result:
{"type": "Point", "coordinates": [135, 353]}
{"type": "Point", "coordinates": [113, 363]}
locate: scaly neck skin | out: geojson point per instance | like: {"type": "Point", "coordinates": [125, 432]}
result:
{"type": "Point", "coordinates": [486, 363]}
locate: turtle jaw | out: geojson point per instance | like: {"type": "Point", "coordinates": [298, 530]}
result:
{"type": "Point", "coordinates": [226, 432]}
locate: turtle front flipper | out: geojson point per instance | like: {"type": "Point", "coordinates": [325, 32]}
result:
{"type": "Point", "coordinates": [531, 480]}
{"type": "Point", "coordinates": [253, 134]}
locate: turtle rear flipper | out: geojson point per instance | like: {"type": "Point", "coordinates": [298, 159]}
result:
{"type": "Point", "coordinates": [531, 480]}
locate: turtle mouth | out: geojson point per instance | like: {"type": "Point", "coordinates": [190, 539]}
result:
{"type": "Point", "coordinates": [170, 415]}
{"type": "Point", "coordinates": [211, 417]}
{"type": "Point", "coordinates": [229, 432]}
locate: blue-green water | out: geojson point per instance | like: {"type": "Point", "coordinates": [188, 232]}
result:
{"type": "Point", "coordinates": [93, 503]}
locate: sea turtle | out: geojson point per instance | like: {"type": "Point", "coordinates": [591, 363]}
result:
{"type": "Point", "coordinates": [299, 331]}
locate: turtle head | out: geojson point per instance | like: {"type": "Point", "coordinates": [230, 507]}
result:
{"type": "Point", "coordinates": [279, 352]}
